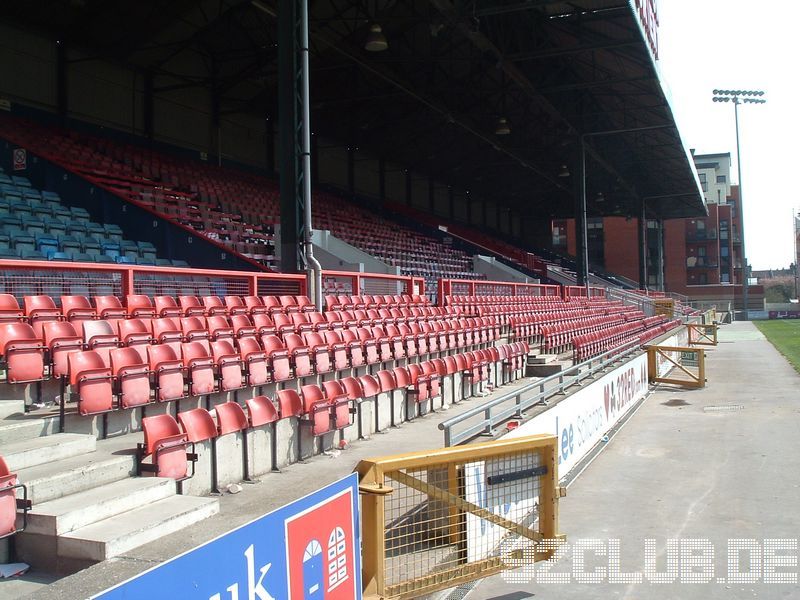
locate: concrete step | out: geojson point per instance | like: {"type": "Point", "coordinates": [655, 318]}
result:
{"type": "Point", "coordinates": [71, 475]}
{"type": "Point", "coordinates": [48, 449]}
{"type": "Point", "coordinates": [11, 407]}
{"type": "Point", "coordinates": [16, 430]}
{"type": "Point", "coordinates": [66, 514]}
{"type": "Point", "coordinates": [118, 534]}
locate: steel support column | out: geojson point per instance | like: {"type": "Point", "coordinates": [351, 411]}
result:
{"type": "Point", "coordinates": [290, 130]}
{"type": "Point", "coordinates": [581, 232]}
{"type": "Point", "coordinates": [642, 246]}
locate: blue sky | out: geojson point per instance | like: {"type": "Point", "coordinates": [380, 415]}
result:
{"type": "Point", "coordinates": [741, 44]}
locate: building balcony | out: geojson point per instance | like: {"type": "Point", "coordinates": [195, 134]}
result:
{"type": "Point", "coordinates": [701, 262]}
{"type": "Point", "coordinates": [701, 236]}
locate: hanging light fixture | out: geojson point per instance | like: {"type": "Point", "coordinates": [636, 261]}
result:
{"type": "Point", "coordinates": [376, 41]}
{"type": "Point", "coordinates": [600, 197]}
{"type": "Point", "coordinates": [564, 172]}
{"type": "Point", "coordinates": [503, 128]}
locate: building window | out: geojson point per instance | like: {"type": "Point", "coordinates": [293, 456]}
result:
{"type": "Point", "coordinates": [722, 179]}
{"type": "Point", "coordinates": [723, 251]}
{"type": "Point", "coordinates": [701, 226]}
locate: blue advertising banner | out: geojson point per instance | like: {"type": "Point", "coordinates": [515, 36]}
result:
{"type": "Point", "coordinates": [309, 549]}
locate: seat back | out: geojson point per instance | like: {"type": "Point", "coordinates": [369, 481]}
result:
{"type": "Point", "coordinates": [90, 379]}
{"type": "Point", "coordinates": [289, 404]}
{"type": "Point", "coordinates": [197, 424]}
{"type": "Point", "coordinates": [23, 352]}
{"type": "Point", "coordinates": [230, 418]}
{"type": "Point", "coordinates": [261, 411]}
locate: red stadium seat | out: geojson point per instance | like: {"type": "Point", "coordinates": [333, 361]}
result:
{"type": "Point", "coordinates": [320, 351]}
{"type": "Point", "coordinates": [255, 361]}
{"type": "Point", "coordinates": [21, 352]}
{"type": "Point", "coordinates": [167, 368]}
{"type": "Point", "coordinates": [339, 402]}
{"type": "Point", "coordinates": [99, 336]}
{"type": "Point", "coordinates": [317, 409]}
{"type": "Point", "coordinates": [39, 310]}
{"type": "Point", "coordinates": [279, 357]}
{"type": "Point", "coordinates": [261, 411]}
{"type": "Point", "coordinates": [214, 306]}
{"type": "Point", "coordinates": [229, 365]}
{"type": "Point", "coordinates": [166, 443]}
{"type": "Point", "coordinates": [90, 382]}
{"type": "Point", "coordinates": [165, 306]}
{"type": "Point", "coordinates": [230, 418]}
{"type": "Point", "coordinates": [289, 404]}
{"type": "Point", "coordinates": [235, 305]}
{"type": "Point", "coordinates": [199, 369]}
{"type": "Point", "coordinates": [9, 484]}
{"type": "Point", "coordinates": [338, 349]}
{"type": "Point", "coordinates": [191, 306]}
{"type": "Point", "coordinates": [134, 332]}
{"type": "Point", "coordinates": [77, 308]}
{"type": "Point", "coordinates": [197, 424]}
{"type": "Point", "coordinates": [300, 354]}
{"type": "Point", "coordinates": [140, 306]}
{"type": "Point", "coordinates": [109, 307]}
{"type": "Point", "coordinates": [61, 340]}
{"type": "Point", "coordinates": [10, 312]}
{"type": "Point", "coordinates": [132, 377]}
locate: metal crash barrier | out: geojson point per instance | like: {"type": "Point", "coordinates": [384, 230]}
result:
{"type": "Point", "coordinates": [701, 334]}
{"type": "Point", "coordinates": [677, 365]}
{"type": "Point", "coordinates": [437, 519]}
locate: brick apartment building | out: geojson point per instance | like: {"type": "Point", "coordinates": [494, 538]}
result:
{"type": "Point", "coordinates": [698, 257]}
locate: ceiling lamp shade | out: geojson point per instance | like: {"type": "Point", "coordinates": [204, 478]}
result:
{"type": "Point", "coordinates": [376, 41]}
{"type": "Point", "coordinates": [564, 172]}
{"type": "Point", "coordinates": [503, 127]}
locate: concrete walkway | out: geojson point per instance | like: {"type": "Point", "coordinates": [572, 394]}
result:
{"type": "Point", "coordinates": [710, 464]}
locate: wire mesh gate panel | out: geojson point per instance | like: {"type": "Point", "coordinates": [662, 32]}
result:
{"type": "Point", "coordinates": [434, 520]}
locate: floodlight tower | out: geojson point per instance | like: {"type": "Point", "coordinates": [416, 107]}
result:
{"type": "Point", "coordinates": [741, 97]}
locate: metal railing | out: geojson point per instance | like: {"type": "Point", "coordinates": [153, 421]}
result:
{"type": "Point", "coordinates": [513, 404]}
{"type": "Point", "coordinates": [428, 525]}
{"type": "Point", "coordinates": [468, 287]}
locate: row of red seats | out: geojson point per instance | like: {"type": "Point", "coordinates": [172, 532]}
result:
{"type": "Point", "coordinates": [28, 357]}
{"type": "Point", "coordinates": [586, 346]}
{"type": "Point", "coordinates": [558, 337]}
{"type": "Point", "coordinates": [529, 326]}
{"type": "Point", "coordinates": [348, 302]}
{"type": "Point", "coordinates": [325, 409]}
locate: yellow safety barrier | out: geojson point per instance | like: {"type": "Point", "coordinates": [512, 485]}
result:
{"type": "Point", "coordinates": [436, 519]}
{"type": "Point", "coordinates": [701, 334]}
{"type": "Point", "coordinates": [681, 359]}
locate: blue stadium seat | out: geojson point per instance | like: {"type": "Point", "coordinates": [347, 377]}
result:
{"type": "Point", "coordinates": [180, 263]}
{"type": "Point", "coordinates": [20, 181]}
{"type": "Point", "coordinates": [59, 256]}
{"type": "Point", "coordinates": [46, 195]}
{"type": "Point", "coordinates": [62, 214]}
{"type": "Point", "coordinates": [81, 214]}
{"type": "Point", "coordinates": [110, 249]}
{"type": "Point", "coordinates": [33, 226]}
{"type": "Point", "coordinates": [125, 260]}
{"type": "Point", "coordinates": [47, 243]}
{"type": "Point", "coordinates": [24, 241]}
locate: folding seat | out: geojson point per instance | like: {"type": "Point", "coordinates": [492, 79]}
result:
{"type": "Point", "coordinates": [396, 340]}
{"type": "Point", "coordinates": [383, 344]}
{"type": "Point", "coordinates": [338, 350]}
{"type": "Point", "coordinates": [229, 365]}
{"type": "Point", "coordinates": [320, 351]}
{"type": "Point", "coordinates": [301, 322]}
{"type": "Point", "coordinates": [272, 304]}
{"type": "Point", "coordinates": [235, 305]}
{"type": "Point", "coordinates": [254, 360]}
{"type": "Point", "coordinates": [318, 321]}
{"type": "Point", "coordinates": [348, 319]}
{"type": "Point", "coordinates": [300, 354]}
{"type": "Point", "coordinates": [362, 319]}
{"type": "Point", "coordinates": [99, 336]}
{"type": "Point", "coordinates": [402, 379]}
{"type": "Point", "coordinates": [261, 411]}
{"type": "Point", "coordinates": [230, 419]}
{"type": "Point", "coordinates": [77, 308]}
{"type": "Point", "coordinates": [304, 304]}
{"type": "Point", "coordinates": [370, 345]}
{"type": "Point", "coordinates": [214, 306]}
{"type": "Point", "coordinates": [199, 367]}
{"type": "Point", "coordinates": [165, 306]}
{"type": "Point", "coordinates": [331, 302]}
{"type": "Point", "coordinates": [167, 331]}
{"type": "Point", "coordinates": [255, 305]}
{"type": "Point", "coordinates": [139, 306]}
{"type": "Point", "coordinates": [9, 486]}
{"type": "Point", "coordinates": [167, 368]}
{"type": "Point", "coordinates": [90, 382]}
{"type": "Point", "coordinates": [243, 326]}
{"type": "Point", "coordinates": [357, 303]}
{"type": "Point", "coordinates": [10, 312]}
{"type": "Point", "coordinates": [134, 332]}
{"type": "Point", "coordinates": [409, 339]}
{"type": "Point", "coordinates": [40, 309]}
{"type": "Point", "coordinates": [339, 402]}
{"type": "Point", "coordinates": [355, 348]}
{"type": "Point", "coordinates": [264, 324]}
{"type": "Point", "coordinates": [131, 377]}
{"type": "Point", "coordinates": [109, 307]}
{"type": "Point", "coordinates": [289, 304]}
{"type": "Point", "coordinates": [191, 306]}
{"type": "Point", "coordinates": [194, 329]}
{"type": "Point", "coordinates": [289, 403]}
{"type": "Point", "coordinates": [317, 409]}
{"type": "Point", "coordinates": [374, 317]}
{"type": "Point", "coordinates": [219, 328]}
{"type": "Point", "coordinates": [198, 424]}
{"type": "Point", "coordinates": [283, 323]}
{"type": "Point", "coordinates": [279, 357]}
{"type": "Point", "coordinates": [166, 443]}
{"type": "Point", "coordinates": [420, 382]}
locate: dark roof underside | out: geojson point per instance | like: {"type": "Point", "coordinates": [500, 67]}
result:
{"type": "Point", "coordinates": [431, 101]}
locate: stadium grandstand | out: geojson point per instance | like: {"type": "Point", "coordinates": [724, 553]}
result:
{"type": "Point", "coordinates": [209, 272]}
